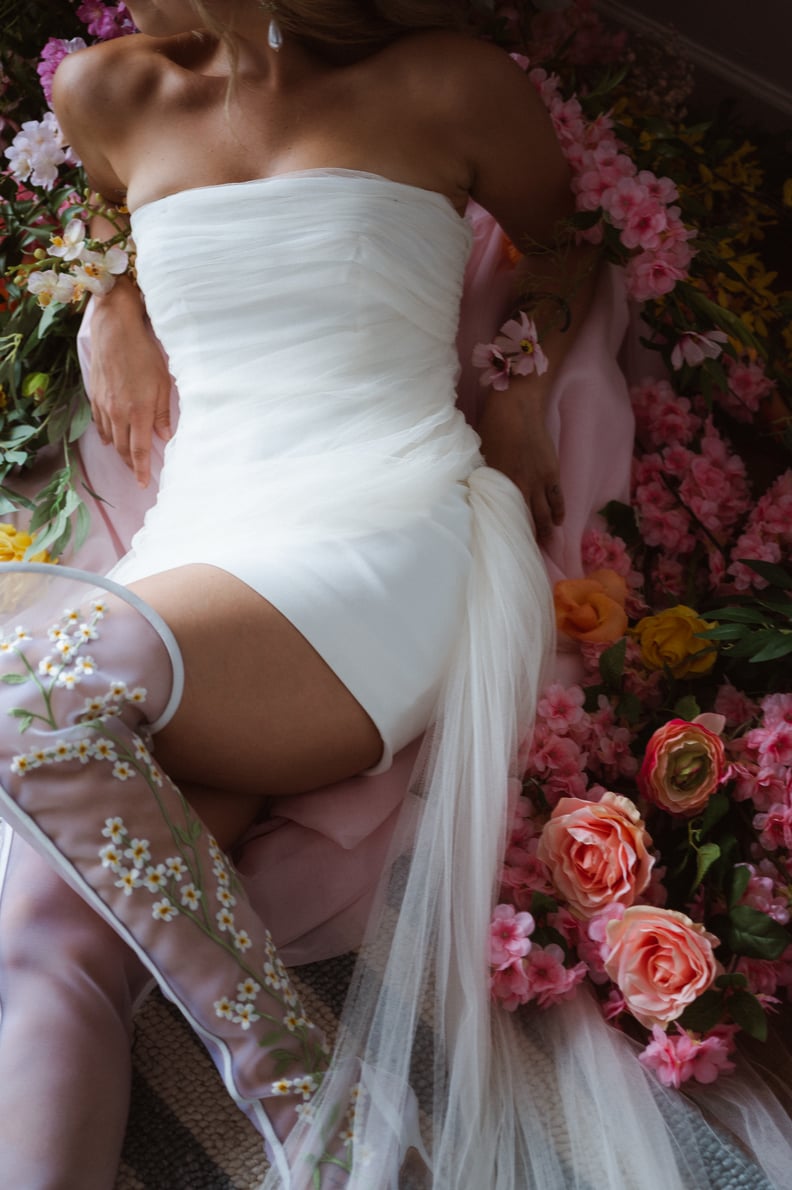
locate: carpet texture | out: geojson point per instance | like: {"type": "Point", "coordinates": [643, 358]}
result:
{"type": "Point", "coordinates": [185, 1133]}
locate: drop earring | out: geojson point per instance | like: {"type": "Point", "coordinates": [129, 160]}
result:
{"type": "Point", "coordinates": [274, 35]}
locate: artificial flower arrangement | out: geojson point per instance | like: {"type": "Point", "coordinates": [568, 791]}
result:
{"type": "Point", "coordinates": [651, 846]}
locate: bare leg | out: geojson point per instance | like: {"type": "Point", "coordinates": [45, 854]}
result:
{"type": "Point", "coordinates": [67, 984]}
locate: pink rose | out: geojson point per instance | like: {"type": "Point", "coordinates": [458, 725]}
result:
{"type": "Point", "coordinates": [661, 961]}
{"type": "Point", "coordinates": [684, 764]}
{"type": "Point", "coordinates": [597, 852]}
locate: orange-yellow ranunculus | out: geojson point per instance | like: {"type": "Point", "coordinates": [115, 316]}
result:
{"type": "Point", "coordinates": [684, 764]}
{"type": "Point", "coordinates": [592, 608]}
{"type": "Point", "coordinates": [669, 640]}
{"type": "Point", "coordinates": [13, 544]}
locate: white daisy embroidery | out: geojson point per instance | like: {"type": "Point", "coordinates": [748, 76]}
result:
{"type": "Point", "coordinates": [104, 750]}
{"type": "Point", "coordinates": [242, 940]}
{"type": "Point", "coordinates": [122, 770]}
{"type": "Point", "coordinates": [138, 852]}
{"type": "Point", "coordinates": [176, 867]}
{"type": "Point", "coordinates": [190, 897]}
{"type": "Point", "coordinates": [245, 1015]}
{"type": "Point", "coordinates": [248, 989]}
{"type": "Point", "coordinates": [224, 1008]}
{"type": "Point", "coordinates": [111, 857]}
{"type": "Point", "coordinates": [114, 829]}
{"type": "Point", "coordinates": [128, 879]}
{"type": "Point", "coordinates": [164, 911]}
{"type": "Point", "coordinates": [156, 878]}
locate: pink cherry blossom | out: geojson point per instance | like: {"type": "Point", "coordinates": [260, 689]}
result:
{"type": "Point", "coordinates": [737, 708]}
{"type": "Point", "coordinates": [677, 1057]}
{"type": "Point", "coordinates": [549, 981]}
{"type": "Point", "coordinates": [561, 707]}
{"type": "Point", "coordinates": [509, 936]}
{"type": "Point", "coordinates": [748, 385]}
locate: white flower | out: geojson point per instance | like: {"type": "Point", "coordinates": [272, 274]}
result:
{"type": "Point", "coordinates": [62, 751]}
{"type": "Point", "coordinates": [164, 911]}
{"type": "Point", "coordinates": [70, 616]}
{"type": "Point", "coordinates": [85, 665]}
{"type": "Point", "coordinates": [21, 765]}
{"type": "Point", "coordinates": [116, 689]}
{"type": "Point", "coordinates": [56, 633]}
{"type": "Point", "coordinates": [138, 695]}
{"type": "Point", "coordinates": [48, 667]}
{"type": "Point", "coordinates": [86, 632]}
{"type": "Point", "coordinates": [138, 852]}
{"type": "Point", "coordinates": [305, 1111]}
{"type": "Point", "coordinates": [282, 1087]}
{"type": "Point", "coordinates": [69, 678]}
{"type": "Point", "coordinates": [176, 867]}
{"type": "Point", "coordinates": [104, 750]}
{"type": "Point", "coordinates": [36, 152]}
{"type": "Point", "coordinates": [114, 829]}
{"type": "Point", "coordinates": [140, 749]}
{"type": "Point", "coordinates": [6, 647]}
{"type": "Point", "coordinates": [69, 246]}
{"type": "Point", "coordinates": [224, 1008]}
{"type": "Point", "coordinates": [83, 750]}
{"type": "Point", "coordinates": [291, 1021]}
{"type": "Point", "coordinates": [248, 989]}
{"type": "Point", "coordinates": [242, 940]}
{"type": "Point", "coordinates": [97, 271]}
{"type": "Point", "coordinates": [122, 770]}
{"type": "Point", "coordinates": [47, 286]}
{"type": "Point", "coordinates": [271, 977]}
{"type": "Point", "coordinates": [306, 1085]}
{"type": "Point", "coordinates": [225, 919]}
{"type": "Point", "coordinates": [155, 878]}
{"type": "Point", "coordinates": [39, 756]}
{"type": "Point", "coordinates": [245, 1015]}
{"type": "Point", "coordinates": [92, 707]}
{"type": "Point", "coordinates": [128, 879]}
{"type": "Point", "coordinates": [111, 857]}
{"type": "Point", "coordinates": [21, 634]}
{"type": "Point", "coordinates": [226, 898]}
{"type": "Point", "coordinates": [99, 608]}
{"type": "Point", "coordinates": [190, 897]}
{"type": "Point", "coordinates": [221, 875]}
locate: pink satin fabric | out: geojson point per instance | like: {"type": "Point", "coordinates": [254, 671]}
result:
{"type": "Point", "coordinates": [312, 866]}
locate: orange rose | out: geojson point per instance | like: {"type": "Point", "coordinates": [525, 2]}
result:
{"type": "Point", "coordinates": [661, 961]}
{"type": "Point", "coordinates": [596, 852]}
{"type": "Point", "coordinates": [592, 608]}
{"type": "Point", "coordinates": [684, 764]}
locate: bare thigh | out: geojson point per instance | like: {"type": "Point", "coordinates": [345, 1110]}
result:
{"type": "Point", "coordinates": [262, 714]}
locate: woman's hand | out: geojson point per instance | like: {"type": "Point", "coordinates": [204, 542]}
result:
{"type": "Point", "coordinates": [129, 384]}
{"type": "Point", "coordinates": [515, 440]}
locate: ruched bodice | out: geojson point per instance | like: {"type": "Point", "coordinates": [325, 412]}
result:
{"type": "Point", "coordinates": [323, 304]}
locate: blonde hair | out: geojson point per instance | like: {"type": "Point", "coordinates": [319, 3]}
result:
{"type": "Point", "coordinates": [334, 23]}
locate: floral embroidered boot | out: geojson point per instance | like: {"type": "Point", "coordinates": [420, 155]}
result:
{"type": "Point", "coordinates": [78, 781]}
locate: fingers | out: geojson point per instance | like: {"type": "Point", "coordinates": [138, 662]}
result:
{"type": "Point", "coordinates": [546, 503]}
{"type": "Point", "coordinates": [555, 500]}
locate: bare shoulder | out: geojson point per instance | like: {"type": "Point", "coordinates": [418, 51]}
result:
{"type": "Point", "coordinates": [489, 111]}
{"type": "Point", "coordinates": [101, 94]}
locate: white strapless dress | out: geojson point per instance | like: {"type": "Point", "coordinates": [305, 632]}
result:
{"type": "Point", "coordinates": [310, 323]}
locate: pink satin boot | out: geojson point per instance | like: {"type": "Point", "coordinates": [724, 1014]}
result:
{"type": "Point", "coordinates": [86, 686]}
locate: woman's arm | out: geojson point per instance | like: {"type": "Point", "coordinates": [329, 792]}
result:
{"type": "Point", "coordinates": [129, 385]}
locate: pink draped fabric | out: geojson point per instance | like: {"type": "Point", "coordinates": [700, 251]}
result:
{"type": "Point", "coordinates": [312, 865]}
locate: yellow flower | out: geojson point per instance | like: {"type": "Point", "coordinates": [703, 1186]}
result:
{"type": "Point", "coordinates": [669, 641]}
{"type": "Point", "coordinates": [787, 193]}
{"type": "Point", "coordinates": [13, 545]}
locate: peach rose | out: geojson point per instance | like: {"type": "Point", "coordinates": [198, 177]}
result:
{"type": "Point", "coordinates": [661, 961]}
{"type": "Point", "coordinates": [669, 640]}
{"type": "Point", "coordinates": [684, 764]}
{"type": "Point", "coordinates": [592, 608]}
{"type": "Point", "coordinates": [597, 852]}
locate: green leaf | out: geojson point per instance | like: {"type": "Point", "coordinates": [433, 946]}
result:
{"type": "Point", "coordinates": [740, 878]}
{"type": "Point", "coordinates": [611, 664]}
{"type": "Point", "coordinates": [781, 607]}
{"type": "Point", "coordinates": [739, 615]}
{"type": "Point", "coordinates": [732, 979]}
{"type": "Point", "coordinates": [14, 679]}
{"type": "Point", "coordinates": [80, 421]}
{"type": "Point", "coordinates": [542, 904]}
{"type": "Point", "coordinates": [776, 575]}
{"type": "Point", "coordinates": [774, 649]}
{"type": "Point", "coordinates": [717, 808]}
{"type": "Point", "coordinates": [746, 1011]}
{"type": "Point", "coordinates": [753, 643]}
{"type": "Point", "coordinates": [704, 1013]}
{"type": "Point", "coordinates": [725, 632]}
{"type": "Point", "coordinates": [756, 935]}
{"type": "Point", "coordinates": [706, 856]}
{"type": "Point", "coordinates": [629, 708]}
{"type": "Point", "coordinates": [687, 708]}
{"type": "Point", "coordinates": [25, 718]}
{"type": "Point", "coordinates": [621, 520]}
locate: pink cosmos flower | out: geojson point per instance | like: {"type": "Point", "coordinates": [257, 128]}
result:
{"type": "Point", "coordinates": [509, 936]}
{"type": "Point", "coordinates": [694, 347]}
{"type": "Point", "coordinates": [519, 341]}
{"type": "Point", "coordinates": [497, 368]}
{"type": "Point", "coordinates": [677, 1057]}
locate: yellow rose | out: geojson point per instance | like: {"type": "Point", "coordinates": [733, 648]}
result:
{"type": "Point", "coordinates": [669, 641]}
{"type": "Point", "coordinates": [13, 545]}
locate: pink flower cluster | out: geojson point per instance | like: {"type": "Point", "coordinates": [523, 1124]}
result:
{"type": "Point", "coordinates": [105, 21]}
{"type": "Point", "coordinates": [766, 536]}
{"type": "Point", "coordinates": [635, 202]}
{"type": "Point", "coordinates": [678, 1057]}
{"type": "Point", "coordinates": [748, 385]}
{"type": "Point", "coordinates": [604, 551]}
{"type": "Point", "coordinates": [567, 740]}
{"type": "Point", "coordinates": [52, 55]}
{"type": "Point", "coordinates": [689, 488]}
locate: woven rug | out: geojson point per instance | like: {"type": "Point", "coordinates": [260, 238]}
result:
{"type": "Point", "coordinates": [185, 1133]}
